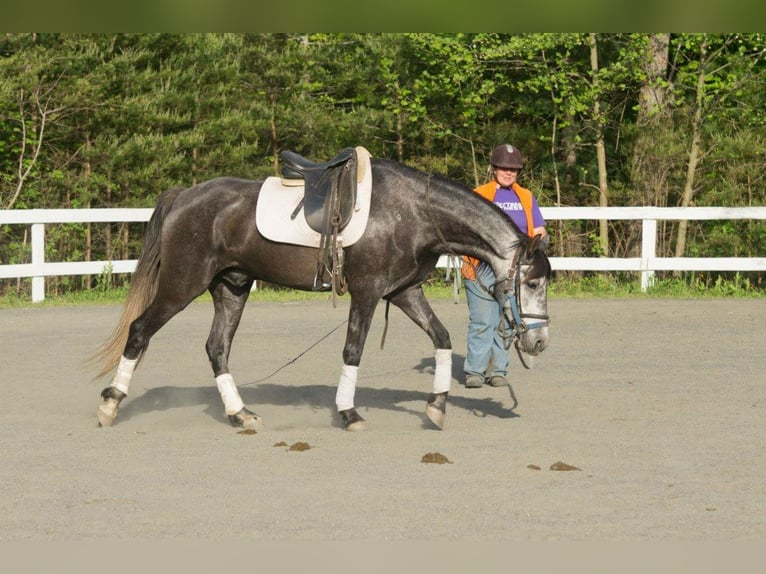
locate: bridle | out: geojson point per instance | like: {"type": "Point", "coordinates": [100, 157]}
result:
{"type": "Point", "coordinates": [512, 309]}
{"type": "Point", "coordinates": [520, 326]}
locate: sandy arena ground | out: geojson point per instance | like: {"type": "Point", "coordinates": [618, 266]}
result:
{"type": "Point", "coordinates": [660, 404]}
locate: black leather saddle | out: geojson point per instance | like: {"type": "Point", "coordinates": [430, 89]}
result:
{"type": "Point", "coordinates": [329, 188]}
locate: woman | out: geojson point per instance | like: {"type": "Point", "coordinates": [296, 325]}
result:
{"type": "Point", "coordinates": [487, 358]}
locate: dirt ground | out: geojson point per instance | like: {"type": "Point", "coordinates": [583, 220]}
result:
{"type": "Point", "coordinates": [659, 404]}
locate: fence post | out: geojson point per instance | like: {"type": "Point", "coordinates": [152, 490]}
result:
{"type": "Point", "coordinates": [38, 258]}
{"type": "Point", "coordinates": [455, 263]}
{"type": "Point", "coordinates": [648, 251]}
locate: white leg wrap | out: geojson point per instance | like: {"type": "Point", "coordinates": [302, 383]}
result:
{"type": "Point", "coordinates": [344, 397]}
{"type": "Point", "coordinates": [232, 402]}
{"type": "Point", "coordinates": [124, 373]}
{"type": "Point", "coordinates": [443, 370]}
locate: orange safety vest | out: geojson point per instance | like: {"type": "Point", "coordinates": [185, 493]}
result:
{"type": "Point", "coordinates": [488, 191]}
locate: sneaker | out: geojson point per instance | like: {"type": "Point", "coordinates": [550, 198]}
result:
{"type": "Point", "coordinates": [498, 381]}
{"type": "Point", "coordinates": [474, 381]}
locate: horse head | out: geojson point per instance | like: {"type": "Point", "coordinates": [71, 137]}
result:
{"type": "Point", "coordinates": [526, 306]}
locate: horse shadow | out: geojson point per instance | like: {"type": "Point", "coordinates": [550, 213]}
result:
{"type": "Point", "coordinates": [320, 397]}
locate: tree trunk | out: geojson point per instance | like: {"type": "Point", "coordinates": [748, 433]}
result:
{"type": "Point", "coordinates": [603, 189]}
{"type": "Point", "coordinates": [274, 140]}
{"type": "Point", "coordinates": [652, 157]}
{"type": "Point", "coordinates": [88, 226]}
{"type": "Point", "coordinates": [652, 97]}
{"type": "Point", "coordinates": [195, 149]}
{"type": "Point", "coordinates": [557, 183]}
{"type": "Point", "coordinates": [694, 152]}
{"type": "Point", "coordinates": [194, 166]}
{"type": "Point", "coordinates": [108, 247]}
{"type": "Point", "coordinates": [649, 168]}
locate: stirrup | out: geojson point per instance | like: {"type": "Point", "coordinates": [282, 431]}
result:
{"type": "Point", "coordinates": [319, 283]}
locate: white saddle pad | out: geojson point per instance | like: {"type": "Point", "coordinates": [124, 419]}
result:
{"type": "Point", "coordinates": [277, 202]}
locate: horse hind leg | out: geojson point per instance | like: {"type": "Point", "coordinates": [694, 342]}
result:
{"type": "Point", "coordinates": [230, 293]}
{"type": "Point", "coordinates": [112, 396]}
{"type": "Point", "coordinates": [141, 330]}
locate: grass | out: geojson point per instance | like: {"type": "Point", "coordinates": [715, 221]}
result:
{"type": "Point", "coordinates": [691, 286]}
{"type": "Point", "coordinates": [594, 286]}
{"type": "Point", "coordinates": [117, 296]}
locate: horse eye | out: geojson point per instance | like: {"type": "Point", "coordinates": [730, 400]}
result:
{"type": "Point", "coordinates": [533, 284]}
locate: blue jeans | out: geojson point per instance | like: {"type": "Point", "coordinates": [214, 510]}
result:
{"type": "Point", "coordinates": [486, 356]}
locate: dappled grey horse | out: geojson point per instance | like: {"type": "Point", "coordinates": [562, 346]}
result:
{"type": "Point", "coordinates": [205, 238]}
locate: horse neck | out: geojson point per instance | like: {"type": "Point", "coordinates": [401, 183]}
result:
{"type": "Point", "coordinates": [470, 225]}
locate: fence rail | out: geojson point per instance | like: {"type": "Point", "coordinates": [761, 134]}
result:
{"type": "Point", "coordinates": [646, 264]}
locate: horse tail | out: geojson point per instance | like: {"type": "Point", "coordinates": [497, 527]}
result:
{"type": "Point", "coordinates": [143, 287]}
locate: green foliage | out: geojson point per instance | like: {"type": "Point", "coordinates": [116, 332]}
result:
{"type": "Point", "coordinates": [696, 286]}
{"type": "Point", "coordinates": [113, 119]}
{"type": "Point", "coordinates": [627, 285]}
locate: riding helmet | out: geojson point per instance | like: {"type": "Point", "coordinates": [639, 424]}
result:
{"type": "Point", "coordinates": [506, 156]}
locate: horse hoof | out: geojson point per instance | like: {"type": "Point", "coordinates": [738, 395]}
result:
{"type": "Point", "coordinates": [436, 409]}
{"type": "Point", "coordinates": [435, 415]}
{"type": "Point", "coordinates": [357, 426]}
{"type": "Point", "coordinates": [107, 412]}
{"type": "Point", "coordinates": [246, 419]}
{"type": "Point", "coordinates": [352, 421]}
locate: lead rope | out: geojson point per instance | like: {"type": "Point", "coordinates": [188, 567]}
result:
{"type": "Point", "coordinates": [298, 356]}
{"type": "Point", "coordinates": [385, 327]}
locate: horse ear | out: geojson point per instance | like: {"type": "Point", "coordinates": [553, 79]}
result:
{"type": "Point", "coordinates": [534, 245]}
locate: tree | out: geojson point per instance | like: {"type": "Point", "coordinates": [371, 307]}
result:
{"type": "Point", "coordinates": [106, 120]}
{"type": "Point", "coordinates": [717, 70]}
{"type": "Point", "coordinates": [603, 186]}
{"type": "Point", "coordinates": [31, 94]}
{"type": "Point", "coordinates": [653, 144]}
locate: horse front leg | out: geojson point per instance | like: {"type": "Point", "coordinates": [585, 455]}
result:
{"type": "Point", "coordinates": [230, 294]}
{"type": "Point", "coordinates": [359, 321]}
{"type": "Point", "coordinates": [415, 305]}
{"type": "Point", "coordinates": [436, 407]}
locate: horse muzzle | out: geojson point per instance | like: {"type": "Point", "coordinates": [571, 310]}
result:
{"type": "Point", "coordinates": [534, 341]}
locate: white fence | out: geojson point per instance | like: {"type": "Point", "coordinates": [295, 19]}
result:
{"type": "Point", "coordinates": [646, 264]}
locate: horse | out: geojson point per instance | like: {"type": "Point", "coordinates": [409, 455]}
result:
{"type": "Point", "coordinates": [204, 238]}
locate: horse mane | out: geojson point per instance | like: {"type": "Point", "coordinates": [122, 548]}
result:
{"type": "Point", "coordinates": [456, 188]}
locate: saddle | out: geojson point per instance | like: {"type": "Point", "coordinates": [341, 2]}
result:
{"type": "Point", "coordinates": [329, 188]}
{"type": "Point", "coordinates": [328, 203]}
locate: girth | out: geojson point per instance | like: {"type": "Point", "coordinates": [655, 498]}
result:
{"type": "Point", "coordinates": [329, 188]}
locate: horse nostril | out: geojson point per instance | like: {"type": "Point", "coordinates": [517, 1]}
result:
{"type": "Point", "coordinates": [540, 345]}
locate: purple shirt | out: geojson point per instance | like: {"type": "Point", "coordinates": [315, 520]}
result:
{"type": "Point", "coordinates": [508, 201]}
